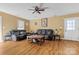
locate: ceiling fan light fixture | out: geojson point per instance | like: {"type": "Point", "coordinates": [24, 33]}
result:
{"type": "Point", "coordinates": [38, 9]}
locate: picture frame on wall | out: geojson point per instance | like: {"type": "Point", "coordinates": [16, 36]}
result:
{"type": "Point", "coordinates": [44, 22]}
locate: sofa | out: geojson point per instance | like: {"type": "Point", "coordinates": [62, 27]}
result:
{"type": "Point", "coordinates": [18, 35]}
{"type": "Point", "coordinates": [48, 33]}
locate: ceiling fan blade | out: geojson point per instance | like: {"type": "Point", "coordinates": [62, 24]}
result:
{"type": "Point", "coordinates": [38, 12]}
{"type": "Point", "coordinates": [33, 12]}
{"type": "Point", "coordinates": [41, 9]}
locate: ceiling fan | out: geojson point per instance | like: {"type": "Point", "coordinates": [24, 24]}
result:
{"type": "Point", "coordinates": [38, 9]}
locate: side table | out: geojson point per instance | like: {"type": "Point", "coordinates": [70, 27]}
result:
{"type": "Point", "coordinates": [56, 36]}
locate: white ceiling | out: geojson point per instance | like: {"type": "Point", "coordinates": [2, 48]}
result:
{"type": "Point", "coordinates": [55, 9]}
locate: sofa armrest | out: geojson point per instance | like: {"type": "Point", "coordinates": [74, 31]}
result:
{"type": "Point", "coordinates": [14, 38]}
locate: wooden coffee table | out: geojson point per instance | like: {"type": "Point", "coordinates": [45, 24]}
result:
{"type": "Point", "coordinates": [39, 39]}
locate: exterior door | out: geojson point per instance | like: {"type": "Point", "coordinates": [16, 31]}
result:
{"type": "Point", "coordinates": [70, 29]}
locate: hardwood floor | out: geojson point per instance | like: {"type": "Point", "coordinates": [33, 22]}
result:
{"type": "Point", "coordinates": [24, 47]}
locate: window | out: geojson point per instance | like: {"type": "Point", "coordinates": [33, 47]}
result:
{"type": "Point", "coordinates": [70, 24]}
{"type": "Point", "coordinates": [21, 25]}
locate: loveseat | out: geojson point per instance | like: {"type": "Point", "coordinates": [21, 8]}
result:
{"type": "Point", "coordinates": [18, 35]}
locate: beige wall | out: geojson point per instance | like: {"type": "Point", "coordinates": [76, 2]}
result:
{"type": "Point", "coordinates": [9, 22]}
{"type": "Point", "coordinates": [56, 22]}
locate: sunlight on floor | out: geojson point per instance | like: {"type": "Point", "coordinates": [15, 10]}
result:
{"type": "Point", "coordinates": [70, 50]}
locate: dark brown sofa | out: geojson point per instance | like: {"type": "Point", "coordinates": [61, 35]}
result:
{"type": "Point", "coordinates": [48, 33]}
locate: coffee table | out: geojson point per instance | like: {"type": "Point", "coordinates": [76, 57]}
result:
{"type": "Point", "coordinates": [39, 39]}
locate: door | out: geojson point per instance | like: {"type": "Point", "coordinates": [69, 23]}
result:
{"type": "Point", "coordinates": [70, 31]}
{"type": "Point", "coordinates": [1, 39]}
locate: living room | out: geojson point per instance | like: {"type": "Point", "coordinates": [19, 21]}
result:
{"type": "Point", "coordinates": [46, 29]}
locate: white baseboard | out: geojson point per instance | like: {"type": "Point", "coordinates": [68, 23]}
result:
{"type": "Point", "coordinates": [70, 39]}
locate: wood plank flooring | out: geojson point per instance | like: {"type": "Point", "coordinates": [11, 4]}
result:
{"type": "Point", "coordinates": [63, 47]}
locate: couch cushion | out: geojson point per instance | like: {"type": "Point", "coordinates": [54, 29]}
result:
{"type": "Point", "coordinates": [43, 31]}
{"type": "Point", "coordinates": [48, 32]}
{"type": "Point", "coordinates": [39, 32]}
